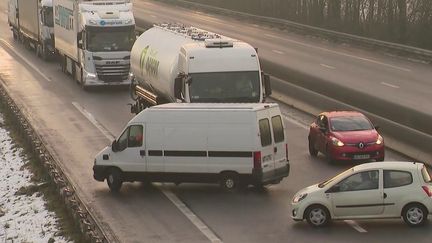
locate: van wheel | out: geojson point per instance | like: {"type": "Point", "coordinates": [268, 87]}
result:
{"type": "Point", "coordinates": [317, 216]}
{"type": "Point", "coordinates": [312, 151]}
{"type": "Point", "coordinates": [229, 181]}
{"type": "Point", "coordinates": [114, 179]}
{"type": "Point", "coordinates": [415, 214]}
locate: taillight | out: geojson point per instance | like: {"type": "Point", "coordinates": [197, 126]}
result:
{"type": "Point", "coordinates": [257, 160]}
{"type": "Point", "coordinates": [286, 151]}
{"type": "Point", "coordinates": [427, 190]}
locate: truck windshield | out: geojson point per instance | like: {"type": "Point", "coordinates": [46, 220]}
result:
{"type": "Point", "coordinates": [225, 87]}
{"type": "Point", "coordinates": [48, 16]}
{"type": "Point", "coordinates": [106, 39]}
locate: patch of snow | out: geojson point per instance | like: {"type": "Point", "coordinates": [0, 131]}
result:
{"type": "Point", "coordinates": [23, 218]}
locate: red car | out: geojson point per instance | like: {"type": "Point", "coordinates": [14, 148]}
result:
{"type": "Point", "coordinates": [345, 136]}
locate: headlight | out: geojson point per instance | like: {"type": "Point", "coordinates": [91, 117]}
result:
{"type": "Point", "coordinates": [91, 75]}
{"type": "Point", "coordinates": [337, 142]}
{"type": "Point", "coordinates": [299, 197]}
{"type": "Point", "coordinates": [380, 140]}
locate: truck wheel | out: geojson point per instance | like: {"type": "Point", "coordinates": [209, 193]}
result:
{"type": "Point", "coordinates": [415, 214]}
{"type": "Point", "coordinates": [229, 181]}
{"type": "Point", "coordinates": [44, 53]}
{"type": "Point", "coordinates": [114, 179]}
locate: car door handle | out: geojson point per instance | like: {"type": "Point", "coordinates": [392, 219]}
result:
{"type": "Point", "coordinates": [142, 152]}
{"type": "Point", "coordinates": [385, 195]}
{"type": "Point", "coordinates": [275, 149]}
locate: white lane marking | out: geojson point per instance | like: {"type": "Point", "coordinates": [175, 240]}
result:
{"type": "Point", "coordinates": [327, 66]}
{"type": "Point", "coordinates": [278, 52]}
{"type": "Point", "coordinates": [298, 123]}
{"type": "Point", "coordinates": [93, 120]}
{"type": "Point", "coordinates": [190, 215]}
{"type": "Point", "coordinates": [255, 25]}
{"type": "Point", "coordinates": [390, 85]}
{"type": "Point", "coordinates": [355, 225]}
{"type": "Point", "coordinates": [169, 194]}
{"type": "Point", "coordinates": [25, 60]}
{"type": "Point", "coordinates": [351, 223]}
{"type": "Point", "coordinates": [341, 53]}
{"type": "Point", "coordinates": [153, 16]}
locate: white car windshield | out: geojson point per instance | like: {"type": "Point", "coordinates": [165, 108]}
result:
{"type": "Point", "coordinates": [336, 178]}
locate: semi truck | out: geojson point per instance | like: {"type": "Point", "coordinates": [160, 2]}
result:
{"type": "Point", "coordinates": [31, 22]}
{"type": "Point", "coordinates": [178, 63]}
{"type": "Point", "coordinates": [93, 40]}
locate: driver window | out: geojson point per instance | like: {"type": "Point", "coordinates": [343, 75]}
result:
{"type": "Point", "coordinates": [123, 140]}
{"type": "Point", "coordinates": [367, 180]}
{"type": "Point", "coordinates": [135, 136]}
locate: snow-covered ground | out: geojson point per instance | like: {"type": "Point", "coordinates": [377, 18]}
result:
{"type": "Point", "coordinates": [23, 218]}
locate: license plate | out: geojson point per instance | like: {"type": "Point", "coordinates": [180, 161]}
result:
{"type": "Point", "coordinates": [361, 156]}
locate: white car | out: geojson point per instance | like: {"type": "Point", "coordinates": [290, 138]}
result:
{"type": "Point", "coordinates": [366, 191]}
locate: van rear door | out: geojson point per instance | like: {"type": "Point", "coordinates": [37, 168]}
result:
{"type": "Point", "coordinates": [279, 144]}
{"type": "Point", "coordinates": [266, 143]}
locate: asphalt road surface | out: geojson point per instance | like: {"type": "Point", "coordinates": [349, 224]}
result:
{"type": "Point", "coordinates": [397, 80]}
{"type": "Point", "coordinates": [78, 124]}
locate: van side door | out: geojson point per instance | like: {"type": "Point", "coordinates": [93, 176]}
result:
{"type": "Point", "coordinates": [130, 156]}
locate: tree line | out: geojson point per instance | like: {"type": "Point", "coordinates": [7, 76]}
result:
{"type": "Point", "coordinates": [402, 21]}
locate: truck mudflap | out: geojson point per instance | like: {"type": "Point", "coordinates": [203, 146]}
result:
{"type": "Point", "coordinates": [99, 172]}
{"type": "Point", "coordinates": [270, 177]}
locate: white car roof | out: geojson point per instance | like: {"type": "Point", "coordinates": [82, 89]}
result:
{"type": "Point", "coordinates": [388, 165]}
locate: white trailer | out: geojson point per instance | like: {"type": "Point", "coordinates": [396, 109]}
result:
{"type": "Point", "coordinates": [94, 39]}
{"type": "Point", "coordinates": [31, 22]}
{"type": "Point", "coordinates": [230, 144]}
{"type": "Point", "coordinates": [177, 63]}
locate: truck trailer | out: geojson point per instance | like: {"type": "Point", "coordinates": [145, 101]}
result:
{"type": "Point", "coordinates": [93, 40]}
{"type": "Point", "coordinates": [31, 22]}
{"type": "Point", "coordinates": [178, 63]}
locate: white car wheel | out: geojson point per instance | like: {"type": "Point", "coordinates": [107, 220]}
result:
{"type": "Point", "coordinates": [317, 216]}
{"type": "Point", "coordinates": [415, 215]}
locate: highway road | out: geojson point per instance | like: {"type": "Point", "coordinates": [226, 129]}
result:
{"type": "Point", "coordinates": [397, 80]}
{"type": "Point", "coordinates": [77, 124]}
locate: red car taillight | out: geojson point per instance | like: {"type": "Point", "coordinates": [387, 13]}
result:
{"type": "Point", "coordinates": [257, 160]}
{"type": "Point", "coordinates": [427, 190]}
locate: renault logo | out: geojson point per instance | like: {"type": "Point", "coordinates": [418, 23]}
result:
{"type": "Point", "coordinates": [361, 145]}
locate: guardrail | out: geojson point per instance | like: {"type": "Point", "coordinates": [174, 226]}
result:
{"type": "Point", "coordinates": [403, 50]}
{"type": "Point", "coordinates": [90, 227]}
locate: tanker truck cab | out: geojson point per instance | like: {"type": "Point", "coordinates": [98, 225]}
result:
{"type": "Point", "coordinates": [230, 144]}
{"type": "Point", "coordinates": [220, 70]}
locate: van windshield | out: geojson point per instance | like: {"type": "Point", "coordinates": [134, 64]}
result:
{"type": "Point", "coordinates": [220, 87]}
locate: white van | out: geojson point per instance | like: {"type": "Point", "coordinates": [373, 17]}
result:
{"type": "Point", "coordinates": [230, 144]}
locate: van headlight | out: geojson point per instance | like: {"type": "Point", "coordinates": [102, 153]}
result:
{"type": "Point", "coordinates": [379, 140]}
{"type": "Point", "coordinates": [337, 142]}
{"type": "Point", "coordinates": [299, 197]}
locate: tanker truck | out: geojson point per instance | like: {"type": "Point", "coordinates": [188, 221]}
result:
{"type": "Point", "coordinates": [93, 40]}
{"type": "Point", "coordinates": [177, 63]}
{"type": "Point", "coordinates": [31, 22]}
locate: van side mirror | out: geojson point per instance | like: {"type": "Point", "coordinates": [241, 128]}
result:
{"type": "Point", "coordinates": [267, 86]}
{"type": "Point", "coordinates": [114, 146]}
{"type": "Point", "coordinates": [178, 84]}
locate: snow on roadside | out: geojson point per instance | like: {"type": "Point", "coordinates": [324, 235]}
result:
{"type": "Point", "coordinates": [23, 218]}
